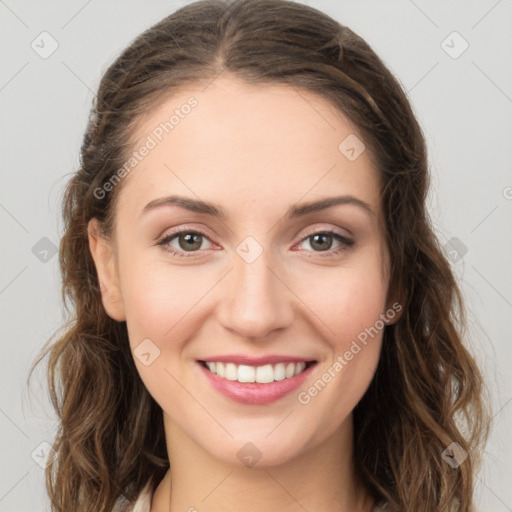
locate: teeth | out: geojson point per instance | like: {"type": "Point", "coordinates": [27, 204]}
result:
{"type": "Point", "coordinates": [265, 374]}
{"type": "Point", "coordinates": [261, 374]}
{"type": "Point", "coordinates": [299, 368]}
{"type": "Point", "coordinates": [230, 371]}
{"type": "Point", "coordinates": [246, 373]}
{"type": "Point", "coordinates": [279, 372]}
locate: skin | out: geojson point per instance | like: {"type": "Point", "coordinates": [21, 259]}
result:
{"type": "Point", "coordinates": [236, 148]}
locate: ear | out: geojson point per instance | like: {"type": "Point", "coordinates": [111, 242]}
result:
{"type": "Point", "coordinates": [394, 305]}
{"type": "Point", "coordinates": [104, 259]}
{"type": "Point", "coordinates": [393, 312]}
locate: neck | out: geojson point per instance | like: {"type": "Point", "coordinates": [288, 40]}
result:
{"type": "Point", "coordinates": [323, 478]}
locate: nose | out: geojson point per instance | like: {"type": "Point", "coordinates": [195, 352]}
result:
{"type": "Point", "coordinates": [257, 301]}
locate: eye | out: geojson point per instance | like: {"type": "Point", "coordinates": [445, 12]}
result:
{"type": "Point", "coordinates": [191, 241]}
{"type": "Point", "coordinates": [187, 241]}
{"type": "Point", "coordinates": [321, 242]}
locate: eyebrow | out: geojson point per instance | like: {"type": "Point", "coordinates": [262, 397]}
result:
{"type": "Point", "coordinates": [294, 211]}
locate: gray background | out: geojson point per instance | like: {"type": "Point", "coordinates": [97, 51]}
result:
{"type": "Point", "coordinates": [464, 104]}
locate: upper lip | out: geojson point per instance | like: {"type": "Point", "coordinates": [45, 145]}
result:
{"type": "Point", "coordinates": [256, 361]}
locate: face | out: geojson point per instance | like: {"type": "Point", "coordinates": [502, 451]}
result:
{"type": "Point", "coordinates": [288, 296]}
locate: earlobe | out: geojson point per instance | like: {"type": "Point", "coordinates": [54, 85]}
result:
{"type": "Point", "coordinates": [393, 312]}
{"type": "Point", "coordinates": [108, 277]}
{"type": "Point", "coordinates": [395, 308]}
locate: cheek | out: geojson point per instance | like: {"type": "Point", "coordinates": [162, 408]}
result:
{"type": "Point", "coordinates": [352, 310]}
{"type": "Point", "coordinates": [354, 340]}
{"type": "Point", "coordinates": [158, 302]}
{"type": "Point", "coordinates": [156, 297]}
{"type": "Point", "coordinates": [348, 299]}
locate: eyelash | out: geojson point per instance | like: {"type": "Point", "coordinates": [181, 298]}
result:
{"type": "Point", "coordinates": [346, 243]}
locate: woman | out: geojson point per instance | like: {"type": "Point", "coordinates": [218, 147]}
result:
{"type": "Point", "coordinates": [263, 318]}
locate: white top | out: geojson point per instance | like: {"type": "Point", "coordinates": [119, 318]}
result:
{"type": "Point", "coordinates": [143, 503]}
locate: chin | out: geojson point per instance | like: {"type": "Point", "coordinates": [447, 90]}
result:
{"type": "Point", "coordinates": [261, 447]}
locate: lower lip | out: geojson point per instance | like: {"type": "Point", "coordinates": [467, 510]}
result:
{"type": "Point", "coordinates": [254, 393]}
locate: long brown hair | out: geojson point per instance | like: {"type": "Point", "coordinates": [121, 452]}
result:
{"type": "Point", "coordinates": [427, 391]}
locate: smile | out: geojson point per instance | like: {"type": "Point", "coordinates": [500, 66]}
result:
{"type": "Point", "coordinates": [260, 374]}
{"type": "Point", "coordinates": [264, 381]}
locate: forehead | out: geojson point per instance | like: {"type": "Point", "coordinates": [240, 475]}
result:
{"type": "Point", "coordinates": [247, 146]}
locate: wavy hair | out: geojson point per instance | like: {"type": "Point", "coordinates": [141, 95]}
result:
{"type": "Point", "coordinates": [427, 391]}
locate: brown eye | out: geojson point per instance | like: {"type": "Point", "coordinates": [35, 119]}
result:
{"type": "Point", "coordinates": [190, 241]}
{"type": "Point", "coordinates": [321, 242]}
{"type": "Point", "coordinates": [182, 242]}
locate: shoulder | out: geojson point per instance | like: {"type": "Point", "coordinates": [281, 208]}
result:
{"type": "Point", "coordinates": [141, 504]}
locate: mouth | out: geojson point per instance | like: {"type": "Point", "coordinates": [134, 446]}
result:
{"type": "Point", "coordinates": [260, 383]}
{"type": "Point", "coordinates": [263, 374]}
